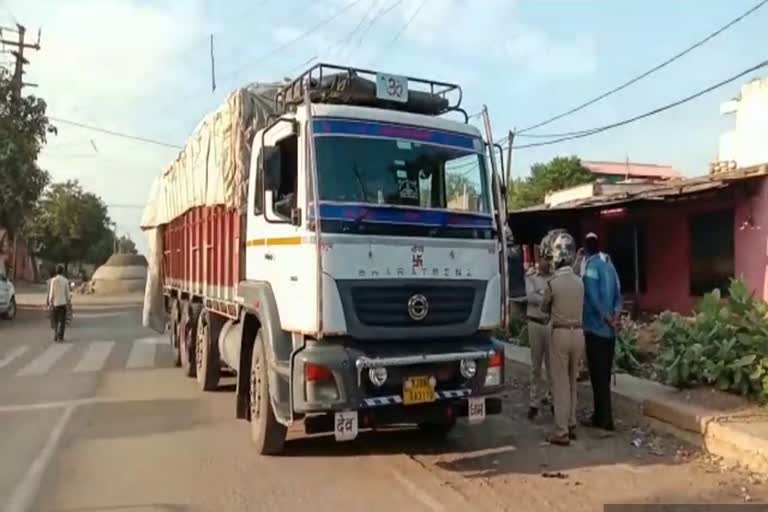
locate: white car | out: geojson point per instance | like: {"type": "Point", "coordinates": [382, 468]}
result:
{"type": "Point", "coordinates": [7, 297]}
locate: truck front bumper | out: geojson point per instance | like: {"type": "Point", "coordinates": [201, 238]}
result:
{"type": "Point", "coordinates": [347, 386]}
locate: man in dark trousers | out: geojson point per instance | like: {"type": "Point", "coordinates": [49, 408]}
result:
{"type": "Point", "coordinates": [602, 306]}
{"type": "Point", "coordinates": [58, 301]}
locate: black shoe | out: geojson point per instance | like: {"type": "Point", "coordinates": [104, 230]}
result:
{"type": "Point", "coordinates": [558, 440]}
{"type": "Point", "coordinates": [572, 433]}
{"type": "Point", "coordinates": [532, 412]}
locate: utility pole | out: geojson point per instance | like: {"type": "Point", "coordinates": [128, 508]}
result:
{"type": "Point", "coordinates": [17, 84]}
{"type": "Point", "coordinates": [17, 81]}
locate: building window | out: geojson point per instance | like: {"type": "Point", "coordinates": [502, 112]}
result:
{"type": "Point", "coordinates": [711, 251]}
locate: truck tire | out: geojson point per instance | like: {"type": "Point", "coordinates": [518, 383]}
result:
{"type": "Point", "coordinates": [173, 333]}
{"type": "Point", "coordinates": [188, 332]}
{"type": "Point", "coordinates": [268, 435]}
{"type": "Point", "coordinates": [438, 429]}
{"type": "Point", "coordinates": [208, 368]}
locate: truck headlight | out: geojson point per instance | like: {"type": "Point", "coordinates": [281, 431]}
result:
{"type": "Point", "coordinates": [468, 368]}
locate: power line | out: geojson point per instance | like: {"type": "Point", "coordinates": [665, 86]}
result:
{"type": "Point", "coordinates": [296, 39]}
{"type": "Point", "coordinates": [115, 133]}
{"type": "Point", "coordinates": [649, 72]}
{"type": "Point", "coordinates": [405, 27]}
{"type": "Point", "coordinates": [593, 131]}
{"type": "Point", "coordinates": [347, 40]}
{"type": "Point", "coordinates": [382, 12]}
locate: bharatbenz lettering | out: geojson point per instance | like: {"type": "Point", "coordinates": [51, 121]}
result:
{"type": "Point", "coordinates": [337, 243]}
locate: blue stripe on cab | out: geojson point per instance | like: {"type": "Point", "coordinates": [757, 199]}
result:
{"type": "Point", "coordinates": [327, 126]}
{"type": "Point", "coordinates": [399, 215]}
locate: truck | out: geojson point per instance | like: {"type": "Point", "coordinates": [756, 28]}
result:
{"type": "Point", "coordinates": [337, 244]}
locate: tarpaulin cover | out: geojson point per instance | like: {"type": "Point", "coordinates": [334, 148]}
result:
{"type": "Point", "coordinates": [211, 169]}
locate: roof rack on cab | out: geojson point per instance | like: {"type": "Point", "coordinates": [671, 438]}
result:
{"type": "Point", "coordinates": [345, 85]}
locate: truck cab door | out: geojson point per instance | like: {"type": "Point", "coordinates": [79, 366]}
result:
{"type": "Point", "coordinates": [274, 230]}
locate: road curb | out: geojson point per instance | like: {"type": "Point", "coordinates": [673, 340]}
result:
{"type": "Point", "coordinates": [742, 440]}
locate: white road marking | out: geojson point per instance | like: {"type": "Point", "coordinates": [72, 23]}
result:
{"type": "Point", "coordinates": [156, 340]}
{"type": "Point", "coordinates": [13, 354]}
{"type": "Point", "coordinates": [412, 489]}
{"type": "Point", "coordinates": [43, 363]}
{"type": "Point", "coordinates": [95, 357]}
{"type": "Point", "coordinates": [25, 492]}
{"type": "Point", "coordinates": [53, 405]}
{"type": "Point", "coordinates": [142, 355]}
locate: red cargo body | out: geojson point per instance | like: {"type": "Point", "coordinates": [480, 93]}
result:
{"type": "Point", "coordinates": [201, 255]}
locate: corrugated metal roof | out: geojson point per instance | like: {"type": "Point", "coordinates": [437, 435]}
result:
{"type": "Point", "coordinates": [632, 169]}
{"type": "Point", "coordinates": [661, 192]}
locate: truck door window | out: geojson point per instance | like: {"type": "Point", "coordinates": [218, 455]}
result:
{"type": "Point", "coordinates": [285, 197]}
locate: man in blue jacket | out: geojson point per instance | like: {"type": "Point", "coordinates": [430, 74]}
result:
{"type": "Point", "coordinates": [602, 306]}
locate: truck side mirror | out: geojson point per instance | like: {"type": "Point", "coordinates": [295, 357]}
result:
{"type": "Point", "coordinates": [271, 166]}
{"type": "Point", "coordinates": [3, 278]}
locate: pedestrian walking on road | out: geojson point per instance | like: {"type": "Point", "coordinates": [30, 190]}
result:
{"type": "Point", "coordinates": [539, 331]}
{"type": "Point", "coordinates": [602, 307]}
{"type": "Point", "coordinates": [59, 301]}
{"type": "Point", "coordinates": [564, 301]}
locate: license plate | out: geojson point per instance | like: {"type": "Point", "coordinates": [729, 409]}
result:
{"type": "Point", "coordinates": [476, 408]}
{"type": "Point", "coordinates": [345, 425]}
{"type": "Point", "coordinates": [418, 390]}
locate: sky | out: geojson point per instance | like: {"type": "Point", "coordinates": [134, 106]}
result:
{"type": "Point", "coordinates": [143, 67]}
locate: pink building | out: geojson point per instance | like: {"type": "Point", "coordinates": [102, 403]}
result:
{"type": "Point", "coordinates": [670, 243]}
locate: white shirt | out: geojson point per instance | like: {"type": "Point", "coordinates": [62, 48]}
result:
{"type": "Point", "coordinates": [58, 291]}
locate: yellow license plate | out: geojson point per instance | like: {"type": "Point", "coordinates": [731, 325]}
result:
{"type": "Point", "coordinates": [417, 390]}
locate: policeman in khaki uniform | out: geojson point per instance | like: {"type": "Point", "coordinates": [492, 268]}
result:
{"type": "Point", "coordinates": [564, 302]}
{"type": "Point", "coordinates": [539, 330]}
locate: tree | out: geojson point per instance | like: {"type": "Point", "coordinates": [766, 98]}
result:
{"type": "Point", "coordinates": [23, 130]}
{"type": "Point", "coordinates": [460, 191]}
{"type": "Point", "coordinates": [72, 225]}
{"type": "Point", "coordinates": [557, 174]}
{"type": "Point", "coordinates": [126, 246]}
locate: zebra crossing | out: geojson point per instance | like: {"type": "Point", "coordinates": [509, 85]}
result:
{"type": "Point", "coordinates": [84, 357]}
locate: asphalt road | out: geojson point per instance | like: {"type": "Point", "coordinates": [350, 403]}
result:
{"type": "Point", "coordinates": [104, 423]}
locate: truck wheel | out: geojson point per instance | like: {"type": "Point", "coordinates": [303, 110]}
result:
{"type": "Point", "coordinates": [173, 333]}
{"type": "Point", "coordinates": [188, 333]}
{"type": "Point", "coordinates": [268, 435]}
{"type": "Point", "coordinates": [207, 355]}
{"type": "Point", "coordinates": [438, 429]}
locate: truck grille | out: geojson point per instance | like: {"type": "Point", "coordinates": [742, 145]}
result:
{"type": "Point", "coordinates": [387, 306]}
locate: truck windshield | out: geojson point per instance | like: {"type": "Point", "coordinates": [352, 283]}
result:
{"type": "Point", "coordinates": [400, 172]}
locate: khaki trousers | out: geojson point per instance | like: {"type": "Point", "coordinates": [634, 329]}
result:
{"type": "Point", "coordinates": [539, 338]}
{"type": "Point", "coordinates": [565, 352]}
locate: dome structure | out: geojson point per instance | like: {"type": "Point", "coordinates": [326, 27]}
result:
{"type": "Point", "coordinates": [122, 273]}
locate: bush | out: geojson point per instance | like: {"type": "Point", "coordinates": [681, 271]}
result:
{"type": "Point", "coordinates": [627, 353]}
{"type": "Point", "coordinates": [723, 345]}
{"type": "Point", "coordinates": [518, 330]}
